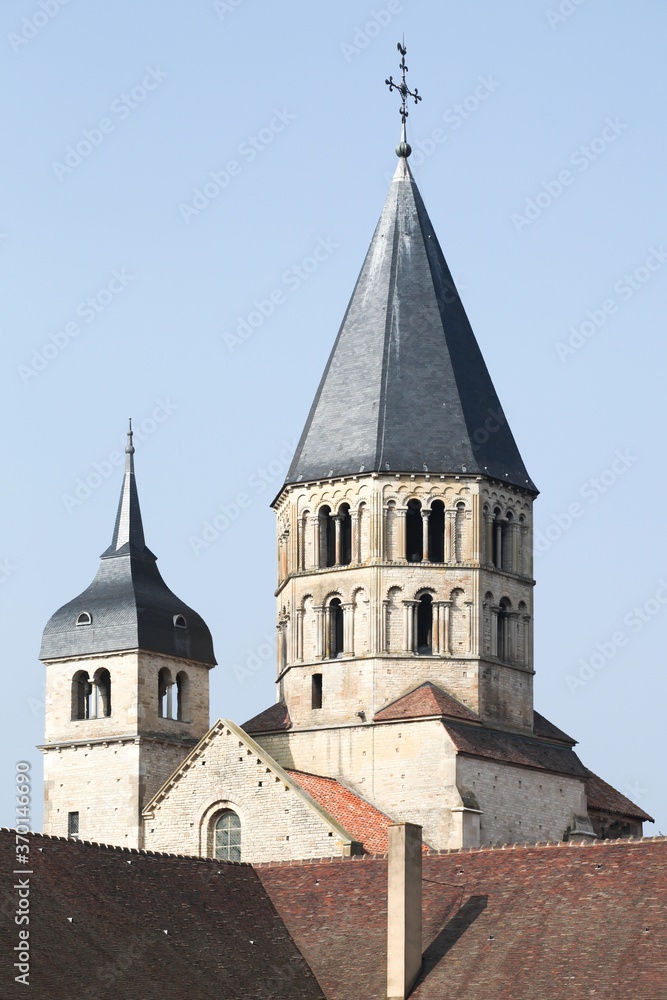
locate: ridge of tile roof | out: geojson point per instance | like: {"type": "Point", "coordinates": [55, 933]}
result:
{"type": "Point", "coordinates": [426, 700]}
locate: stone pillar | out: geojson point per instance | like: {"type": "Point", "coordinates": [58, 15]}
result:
{"type": "Point", "coordinates": [475, 543]}
{"type": "Point", "coordinates": [425, 516]}
{"type": "Point", "coordinates": [404, 909]}
{"type": "Point", "coordinates": [498, 528]}
{"type": "Point", "coordinates": [402, 516]}
{"type": "Point", "coordinates": [169, 701]}
{"type": "Point", "coordinates": [383, 552]}
{"type": "Point", "coordinates": [355, 536]}
{"type": "Point", "coordinates": [488, 539]}
{"type": "Point", "coordinates": [446, 630]}
{"type": "Point", "coordinates": [436, 628]}
{"type": "Point", "coordinates": [450, 536]}
{"type": "Point", "coordinates": [409, 634]}
{"type": "Point", "coordinates": [527, 641]}
{"type": "Point", "coordinates": [313, 524]}
{"type": "Point", "coordinates": [473, 629]}
{"type": "Point", "coordinates": [526, 568]}
{"type": "Point", "coordinates": [320, 645]}
{"type": "Point", "coordinates": [298, 638]}
{"type": "Point", "coordinates": [514, 533]}
{"type": "Point", "coordinates": [384, 627]}
{"type": "Point", "coordinates": [338, 524]}
{"type": "Point", "coordinates": [494, 630]}
{"type": "Point", "coordinates": [348, 629]}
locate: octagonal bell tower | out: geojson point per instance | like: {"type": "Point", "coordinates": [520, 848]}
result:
{"type": "Point", "coordinates": [405, 522]}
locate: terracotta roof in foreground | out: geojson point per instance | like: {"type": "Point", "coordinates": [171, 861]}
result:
{"type": "Point", "coordinates": [426, 700]}
{"type": "Point", "coordinates": [523, 923]}
{"type": "Point", "coordinates": [363, 821]}
{"type": "Point", "coordinates": [109, 923]}
{"type": "Point", "coordinates": [273, 719]}
{"type": "Point", "coordinates": [604, 797]}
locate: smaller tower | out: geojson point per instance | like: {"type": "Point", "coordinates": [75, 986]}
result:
{"type": "Point", "coordinates": [127, 691]}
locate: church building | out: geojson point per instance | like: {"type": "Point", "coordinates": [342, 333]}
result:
{"type": "Point", "coordinates": [404, 620]}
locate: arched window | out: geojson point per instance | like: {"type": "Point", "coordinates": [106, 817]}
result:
{"type": "Point", "coordinates": [180, 622]}
{"type": "Point", "coordinates": [165, 684]}
{"type": "Point", "coordinates": [327, 537]}
{"type": "Point", "coordinates": [227, 837]}
{"type": "Point", "coordinates": [102, 694]}
{"type": "Point", "coordinates": [85, 618]}
{"type": "Point", "coordinates": [425, 625]}
{"type": "Point", "coordinates": [182, 696]}
{"type": "Point", "coordinates": [504, 652]}
{"type": "Point", "coordinates": [345, 535]}
{"type": "Point", "coordinates": [414, 533]}
{"type": "Point", "coordinates": [436, 532]}
{"type": "Point", "coordinates": [82, 691]}
{"type": "Point", "coordinates": [335, 628]}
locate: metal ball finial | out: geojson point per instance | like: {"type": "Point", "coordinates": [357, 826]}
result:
{"type": "Point", "coordinates": [129, 447]}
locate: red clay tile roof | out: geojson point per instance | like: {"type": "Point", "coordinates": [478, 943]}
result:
{"type": "Point", "coordinates": [510, 748]}
{"type": "Point", "coordinates": [525, 923]}
{"type": "Point", "coordinates": [545, 729]}
{"type": "Point", "coordinates": [604, 798]}
{"type": "Point", "coordinates": [98, 917]}
{"type": "Point", "coordinates": [271, 720]}
{"type": "Point", "coordinates": [363, 821]}
{"type": "Point", "coordinates": [425, 700]}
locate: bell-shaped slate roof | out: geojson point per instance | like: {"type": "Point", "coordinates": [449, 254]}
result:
{"type": "Point", "coordinates": [129, 604]}
{"type": "Point", "coordinates": [406, 388]}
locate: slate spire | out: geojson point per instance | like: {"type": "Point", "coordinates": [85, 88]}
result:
{"type": "Point", "coordinates": [406, 388]}
{"type": "Point", "coordinates": [128, 605]}
{"type": "Point", "coordinates": [128, 533]}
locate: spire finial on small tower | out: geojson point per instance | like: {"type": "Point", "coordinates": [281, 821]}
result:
{"type": "Point", "coordinates": [403, 148]}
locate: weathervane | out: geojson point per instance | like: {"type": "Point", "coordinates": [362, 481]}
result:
{"type": "Point", "coordinates": [403, 149]}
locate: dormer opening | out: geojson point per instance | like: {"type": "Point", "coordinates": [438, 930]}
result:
{"type": "Point", "coordinates": [85, 618]}
{"type": "Point", "coordinates": [180, 622]}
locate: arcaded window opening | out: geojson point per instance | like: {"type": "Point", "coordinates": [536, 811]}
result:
{"type": "Point", "coordinates": [344, 545]}
{"type": "Point", "coordinates": [82, 690]}
{"type": "Point", "coordinates": [327, 528]}
{"type": "Point", "coordinates": [101, 694]}
{"type": "Point", "coordinates": [166, 709]}
{"type": "Point", "coordinates": [335, 628]}
{"type": "Point", "coordinates": [436, 532]}
{"type": "Point", "coordinates": [414, 533]}
{"type": "Point", "coordinates": [425, 625]}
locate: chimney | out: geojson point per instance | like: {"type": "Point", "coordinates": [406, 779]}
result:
{"type": "Point", "coordinates": [404, 909]}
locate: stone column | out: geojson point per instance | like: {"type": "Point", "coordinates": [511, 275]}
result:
{"type": "Point", "coordinates": [488, 539]}
{"type": "Point", "coordinates": [338, 524]}
{"type": "Point", "coordinates": [514, 532]}
{"type": "Point", "coordinates": [475, 543]}
{"type": "Point", "coordinates": [355, 536]}
{"type": "Point", "coordinates": [298, 636]}
{"type": "Point", "coordinates": [320, 645]}
{"type": "Point", "coordinates": [384, 627]}
{"type": "Point", "coordinates": [313, 524]}
{"type": "Point", "coordinates": [446, 628]}
{"type": "Point", "coordinates": [473, 629]}
{"type": "Point", "coordinates": [450, 536]}
{"type": "Point", "coordinates": [409, 634]}
{"type": "Point", "coordinates": [527, 641]}
{"type": "Point", "coordinates": [525, 551]}
{"type": "Point", "coordinates": [402, 516]}
{"type": "Point", "coordinates": [169, 701]}
{"type": "Point", "coordinates": [436, 628]}
{"type": "Point", "coordinates": [498, 528]}
{"type": "Point", "coordinates": [425, 516]}
{"type": "Point", "coordinates": [348, 629]}
{"type": "Point", "coordinates": [494, 629]}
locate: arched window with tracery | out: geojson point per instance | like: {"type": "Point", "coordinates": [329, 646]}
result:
{"type": "Point", "coordinates": [227, 837]}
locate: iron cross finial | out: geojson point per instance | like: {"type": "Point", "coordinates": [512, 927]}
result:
{"type": "Point", "coordinates": [403, 89]}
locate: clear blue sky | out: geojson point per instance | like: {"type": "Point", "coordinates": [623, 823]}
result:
{"type": "Point", "coordinates": [540, 153]}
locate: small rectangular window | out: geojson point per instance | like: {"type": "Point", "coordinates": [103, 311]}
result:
{"type": "Point", "coordinates": [73, 825]}
{"type": "Point", "coordinates": [316, 691]}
